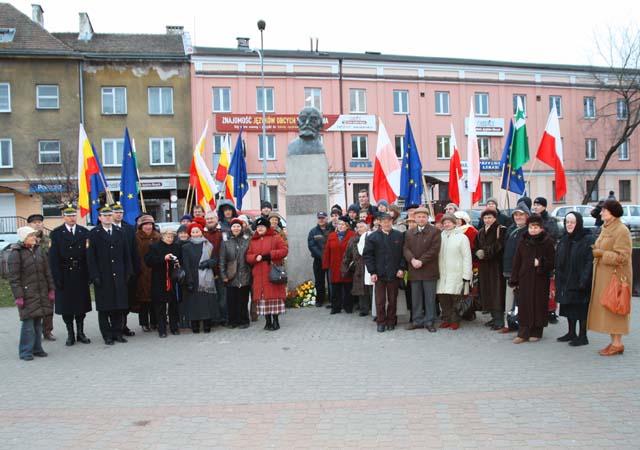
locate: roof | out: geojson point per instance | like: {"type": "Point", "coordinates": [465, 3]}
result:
{"type": "Point", "coordinates": [108, 45]}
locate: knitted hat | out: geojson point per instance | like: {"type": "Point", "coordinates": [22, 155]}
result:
{"type": "Point", "coordinates": [344, 219]}
{"type": "Point", "coordinates": [449, 217]}
{"type": "Point", "coordinates": [522, 207]}
{"type": "Point", "coordinates": [541, 201]}
{"type": "Point", "coordinates": [193, 225]}
{"type": "Point", "coordinates": [493, 200]}
{"type": "Point", "coordinates": [188, 217]}
{"type": "Point", "coordinates": [265, 204]}
{"type": "Point", "coordinates": [526, 200]}
{"type": "Point", "coordinates": [383, 202]}
{"type": "Point", "coordinates": [237, 220]}
{"type": "Point", "coordinates": [262, 221]}
{"type": "Point", "coordinates": [24, 232]}
{"type": "Point", "coordinates": [353, 207]}
{"type": "Point", "coordinates": [200, 221]}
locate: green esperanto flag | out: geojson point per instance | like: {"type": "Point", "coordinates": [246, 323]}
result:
{"type": "Point", "coordinates": [520, 143]}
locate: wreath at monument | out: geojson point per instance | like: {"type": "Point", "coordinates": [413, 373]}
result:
{"type": "Point", "coordinates": [302, 296]}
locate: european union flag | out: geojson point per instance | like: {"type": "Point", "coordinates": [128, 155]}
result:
{"type": "Point", "coordinates": [97, 187]}
{"type": "Point", "coordinates": [411, 186]}
{"type": "Point", "coordinates": [513, 181]}
{"type": "Point", "coordinates": [238, 170]}
{"type": "Point", "coordinates": [129, 182]}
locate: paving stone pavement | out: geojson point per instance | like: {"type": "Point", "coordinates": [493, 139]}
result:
{"type": "Point", "coordinates": [320, 382]}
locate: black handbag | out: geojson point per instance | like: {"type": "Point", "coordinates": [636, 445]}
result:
{"type": "Point", "coordinates": [277, 274]}
{"type": "Point", "coordinates": [465, 306]}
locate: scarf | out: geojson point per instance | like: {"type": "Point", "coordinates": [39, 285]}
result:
{"type": "Point", "coordinates": [206, 281]}
{"type": "Point", "coordinates": [341, 235]}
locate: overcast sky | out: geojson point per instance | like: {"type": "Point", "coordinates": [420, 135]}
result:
{"type": "Point", "coordinates": [552, 31]}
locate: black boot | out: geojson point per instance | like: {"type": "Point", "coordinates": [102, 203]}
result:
{"type": "Point", "coordinates": [71, 338]}
{"type": "Point", "coordinates": [571, 335]}
{"type": "Point", "coordinates": [582, 338]}
{"type": "Point", "coordinates": [206, 326]}
{"type": "Point", "coordinates": [276, 322]}
{"type": "Point", "coordinates": [553, 318]}
{"type": "Point", "coordinates": [195, 326]}
{"type": "Point", "coordinates": [81, 336]}
{"type": "Point", "coordinates": [268, 323]}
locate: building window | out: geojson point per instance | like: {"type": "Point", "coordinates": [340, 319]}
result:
{"type": "Point", "coordinates": [401, 102]}
{"type": "Point", "coordinates": [222, 99]}
{"type": "Point", "coordinates": [623, 151]}
{"type": "Point", "coordinates": [484, 147]}
{"type": "Point", "coordinates": [553, 194]}
{"type": "Point", "coordinates": [556, 100]}
{"type": "Point", "coordinates": [114, 100]}
{"type": "Point", "coordinates": [481, 100]}
{"type": "Point", "coordinates": [5, 97]}
{"type": "Point", "coordinates": [624, 190]}
{"type": "Point", "coordinates": [47, 96]}
{"type": "Point", "coordinates": [7, 34]}
{"type": "Point", "coordinates": [442, 103]}
{"type": "Point", "coordinates": [160, 100]}
{"type": "Point", "coordinates": [399, 146]}
{"type": "Point", "coordinates": [264, 98]}
{"type": "Point", "coordinates": [523, 99]}
{"type": "Point", "coordinates": [50, 205]}
{"type": "Point", "coordinates": [594, 194]}
{"type": "Point", "coordinates": [359, 147]}
{"type": "Point", "coordinates": [161, 151]}
{"type": "Point", "coordinates": [589, 107]}
{"type": "Point", "coordinates": [271, 147]}
{"type": "Point", "coordinates": [313, 98]}
{"type": "Point", "coordinates": [112, 152]}
{"type": "Point", "coordinates": [487, 191]}
{"type": "Point", "coordinates": [6, 153]}
{"type": "Point", "coordinates": [357, 101]}
{"type": "Point", "coordinates": [49, 152]}
{"type": "Point", "coordinates": [273, 196]}
{"type": "Point", "coordinates": [443, 146]}
{"type": "Point", "coordinates": [591, 149]}
{"type": "Point", "coordinates": [621, 109]}
{"type": "Point", "coordinates": [218, 142]}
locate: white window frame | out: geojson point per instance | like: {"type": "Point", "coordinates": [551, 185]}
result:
{"type": "Point", "coordinates": [399, 144]}
{"type": "Point", "coordinates": [553, 194]}
{"type": "Point", "coordinates": [487, 192]}
{"type": "Point", "coordinates": [524, 103]}
{"type": "Point", "coordinates": [442, 105]}
{"type": "Point", "coordinates": [47, 97]}
{"type": "Point", "coordinates": [557, 99]}
{"type": "Point", "coordinates": [623, 151]}
{"type": "Point", "coordinates": [443, 147]}
{"type": "Point", "coordinates": [357, 101]}
{"type": "Point", "coordinates": [273, 196]}
{"type": "Point", "coordinates": [481, 103]}
{"type": "Point", "coordinates": [163, 141]}
{"type": "Point", "coordinates": [589, 107]}
{"type": "Point", "coordinates": [400, 101]}
{"type": "Point", "coordinates": [361, 142]}
{"type": "Point", "coordinates": [271, 147]}
{"type": "Point", "coordinates": [622, 112]}
{"type": "Point", "coordinates": [221, 99]}
{"type": "Point", "coordinates": [112, 90]}
{"type": "Point", "coordinates": [114, 142]}
{"type": "Point", "coordinates": [591, 146]}
{"type": "Point", "coordinates": [9, 144]}
{"type": "Point", "coordinates": [594, 193]}
{"type": "Point", "coordinates": [159, 90]}
{"type": "Point", "coordinates": [484, 147]}
{"type": "Point", "coordinates": [270, 97]}
{"type": "Point", "coordinates": [8, 109]}
{"type": "Point", "coordinates": [40, 151]}
{"type": "Point", "coordinates": [313, 97]}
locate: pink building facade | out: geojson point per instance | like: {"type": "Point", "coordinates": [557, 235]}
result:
{"type": "Point", "coordinates": [435, 93]}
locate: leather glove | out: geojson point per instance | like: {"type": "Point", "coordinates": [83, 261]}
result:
{"type": "Point", "coordinates": [266, 257]}
{"type": "Point", "coordinates": [52, 296]}
{"type": "Point", "coordinates": [20, 302]}
{"type": "Point", "coordinates": [597, 253]}
{"type": "Point", "coordinates": [59, 285]}
{"type": "Point", "coordinates": [203, 265]}
{"type": "Point", "coordinates": [97, 283]}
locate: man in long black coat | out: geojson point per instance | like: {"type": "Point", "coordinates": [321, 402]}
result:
{"type": "Point", "coordinates": [68, 263]}
{"type": "Point", "coordinates": [109, 269]}
{"type": "Point", "coordinates": [130, 235]}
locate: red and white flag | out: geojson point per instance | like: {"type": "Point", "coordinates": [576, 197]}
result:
{"type": "Point", "coordinates": [550, 152]}
{"type": "Point", "coordinates": [455, 170]}
{"type": "Point", "coordinates": [473, 158]}
{"type": "Point", "coordinates": [386, 171]}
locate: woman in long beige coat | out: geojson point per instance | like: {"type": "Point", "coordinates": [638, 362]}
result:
{"type": "Point", "coordinates": [612, 250]}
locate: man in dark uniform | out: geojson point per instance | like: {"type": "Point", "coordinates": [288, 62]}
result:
{"type": "Point", "coordinates": [110, 267]}
{"type": "Point", "coordinates": [130, 235]}
{"type": "Point", "coordinates": [68, 263]}
{"type": "Point", "coordinates": [36, 221]}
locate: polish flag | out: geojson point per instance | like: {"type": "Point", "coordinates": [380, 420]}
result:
{"type": "Point", "coordinates": [550, 152]}
{"type": "Point", "coordinates": [455, 170]}
{"type": "Point", "coordinates": [473, 158]}
{"type": "Point", "coordinates": [386, 171]}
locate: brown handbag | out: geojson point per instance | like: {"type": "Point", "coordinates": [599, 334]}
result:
{"type": "Point", "coordinates": [617, 295]}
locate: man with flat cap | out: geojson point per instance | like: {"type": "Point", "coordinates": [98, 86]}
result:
{"type": "Point", "coordinates": [109, 270]}
{"type": "Point", "coordinates": [68, 264]}
{"type": "Point", "coordinates": [36, 221]}
{"type": "Point", "coordinates": [316, 240]}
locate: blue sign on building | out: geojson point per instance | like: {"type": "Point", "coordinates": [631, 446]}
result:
{"type": "Point", "coordinates": [40, 187]}
{"type": "Point", "coordinates": [489, 164]}
{"type": "Point", "coordinates": [364, 164]}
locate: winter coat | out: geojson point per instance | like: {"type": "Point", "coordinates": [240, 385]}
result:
{"type": "Point", "coordinates": [143, 287]}
{"type": "Point", "coordinates": [31, 280]}
{"type": "Point", "coordinates": [454, 262]}
{"type": "Point", "coordinates": [533, 282]}
{"type": "Point", "coordinates": [510, 244]}
{"type": "Point", "coordinates": [424, 246]}
{"type": "Point", "coordinates": [68, 264]}
{"type": "Point", "coordinates": [161, 271]}
{"type": "Point", "coordinates": [351, 255]}
{"type": "Point", "coordinates": [332, 259]}
{"type": "Point", "coordinates": [491, 280]}
{"type": "Point", "coordinates": [225, 225]}
{"type": "Point", "coordinates": [383, 254]}
{"type": "Point", "coordinates": [215, 237]}
{"type": "Point", "coordinates": [198, 305]}
{"type": "Point", "coordinates": [615, 241]}
{"type": "Point", "coordinates": [109, 262]}
{"type": "Point", "coordinates": [574, 268]}
{"type": "Point", "coordinates": [272, 244]}
{"type": "Point", "coordinates": [235, 249]}
{"type": "Point", "coordinates": [317, 239]}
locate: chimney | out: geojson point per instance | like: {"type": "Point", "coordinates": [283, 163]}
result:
{"type": "Point", "coordinates": [85, 32]}
{"type": "Point", "coordinates": [37, 14]}
{"type": "Point", "coordinates": [243, 43]}
{"type": "Point", "coordinates": [175, 29]}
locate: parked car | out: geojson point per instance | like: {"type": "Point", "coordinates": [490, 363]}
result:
{"type": "Point", "coordinates": [585, 210]}
{"type": "Point", "coordinates": [631, 216]}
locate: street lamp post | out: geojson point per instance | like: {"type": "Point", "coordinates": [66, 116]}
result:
{"type": "Point", "coordinates": [264, 194]}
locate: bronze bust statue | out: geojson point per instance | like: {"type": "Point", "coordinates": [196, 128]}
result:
{"type": "Point", "coordinates": [308, 141]}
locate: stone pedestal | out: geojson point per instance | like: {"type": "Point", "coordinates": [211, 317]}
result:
{"type": "Point", "coordinates": [307, 193]}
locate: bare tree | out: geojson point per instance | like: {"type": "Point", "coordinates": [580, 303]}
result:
{"type": "Point", "coordinates": [58, 179]}
{"type": "Point", "coordinates": [620, 52]}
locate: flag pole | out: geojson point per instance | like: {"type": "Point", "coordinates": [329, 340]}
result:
{"type": "Point", "coordinates": [186, 200]}
{"type": "Point", "coordinates": [530, 173]}
{"type": "Point", "coordinates": [426, 191]}
{"type": "Point", "coordinates": [506, 191]}
{"type": "Point", "coordinates": [106, 189]}
{"type": "Point", "coordinates": [133, 147]}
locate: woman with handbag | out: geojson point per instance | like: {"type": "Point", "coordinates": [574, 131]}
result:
{"type": "Point", "coordinates": [612, 258]}
{"type": "Point", "coordinates": [236, 274]}
{"type": "Point", "coordinates": [266, 255]}
{"type": "Point", "coordinates": [334, 250]}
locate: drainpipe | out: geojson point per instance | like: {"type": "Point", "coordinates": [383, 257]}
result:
{"type": "Point", "coordinates": [344, 158]}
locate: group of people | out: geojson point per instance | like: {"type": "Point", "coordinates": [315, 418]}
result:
{"type": "Point", "coordinates": [199, 275]}
{"type": "Point", "coordinates": [514, 268]}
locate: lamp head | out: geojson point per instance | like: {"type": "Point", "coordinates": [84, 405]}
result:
{"type": "Point", "coordinates": [262, 25]}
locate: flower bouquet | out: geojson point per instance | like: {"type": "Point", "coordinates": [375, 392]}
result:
{"type": "Point", "coordinates": [301, 296]}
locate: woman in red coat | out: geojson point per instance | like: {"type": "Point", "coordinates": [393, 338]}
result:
{"type": "Point", "coordinates": [332, 260]}
{"type": "Point", "coordinates": [267, 247]}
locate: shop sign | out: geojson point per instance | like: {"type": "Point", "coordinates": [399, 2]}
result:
{"type": "Point", "coordinates": [365, 164]}
{"type": "Point", "coordinates": [43, 188]}
{"type": "Point", "coordinates": [486, 126]}
{"type": "Point", "coordinates": [148, 184]}
{"type": "Point", "coordinates": [289, 122]}
{"type": "Point", "coordinates": [489, 164]}
{"type": "Point", "coordinates": [352, 122]}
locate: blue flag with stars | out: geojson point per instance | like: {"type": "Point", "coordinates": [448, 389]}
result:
{"type": "Point", "coordinates": [129, 182]}
{"type": "Point", "coordinates": [411, 186]}
{"type": "Point", "coordinates": [97, 187]}
{"type": "Point", "coordinates": [238, 170]}
{"type": "Point", "coordinates": [513, 182]}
